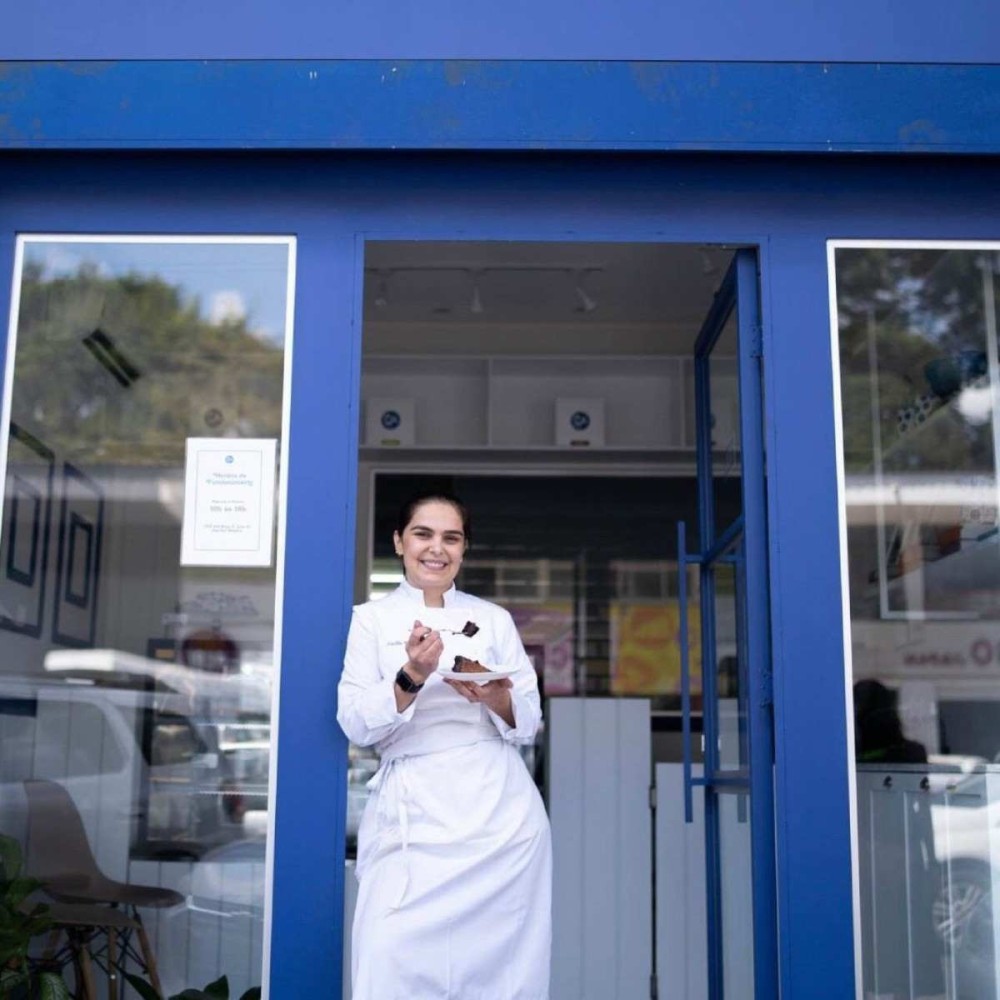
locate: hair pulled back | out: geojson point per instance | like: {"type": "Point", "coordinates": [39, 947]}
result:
{"type": "Point", "coordinates": [409, 509]}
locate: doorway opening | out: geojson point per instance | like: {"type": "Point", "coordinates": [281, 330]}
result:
{"type": "Point", "coordinates": [552, 387]}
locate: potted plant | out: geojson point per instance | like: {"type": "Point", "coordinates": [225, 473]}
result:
{"type": "Point", "coordinates": [219, 990]}
{"type": "Point", "coordinates": [20, 921]}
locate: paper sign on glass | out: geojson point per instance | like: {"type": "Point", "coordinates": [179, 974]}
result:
{"type": "Point", "coordinates": [228, 502]}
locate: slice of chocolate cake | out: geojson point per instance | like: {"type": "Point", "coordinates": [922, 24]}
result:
{"type": "Point", "coordinates": [463, 665]}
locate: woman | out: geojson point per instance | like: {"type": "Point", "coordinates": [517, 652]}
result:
{"type": "Point", "coordinates": [454, 854]}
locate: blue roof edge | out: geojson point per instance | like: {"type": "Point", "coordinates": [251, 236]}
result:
{"type": "Point", "coordinates": [501, 105]}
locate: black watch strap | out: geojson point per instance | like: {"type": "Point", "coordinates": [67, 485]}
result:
{"type": "Point", "coordinates": [406, 683]}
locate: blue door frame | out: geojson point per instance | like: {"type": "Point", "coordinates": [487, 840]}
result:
{"type": "Point", "coordinates": [741, 544]}
{"type": "Point", "coordinates": [787, 207]}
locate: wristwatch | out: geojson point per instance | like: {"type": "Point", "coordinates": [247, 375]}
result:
{"type": "Point", "coordinates": [406, 683]}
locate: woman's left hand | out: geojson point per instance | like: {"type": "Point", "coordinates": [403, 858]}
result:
{"type": "Point", "coordinates": [495, 695]}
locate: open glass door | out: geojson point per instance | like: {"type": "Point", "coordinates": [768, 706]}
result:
{"type": "Point", "coordinates": [736, 670]}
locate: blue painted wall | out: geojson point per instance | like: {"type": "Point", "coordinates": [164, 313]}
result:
{"type": "Point", "coordinates": [359, 104]}
{"type": "Point", "coordinates": [789, 30]}
{"type": "Point", "coordinates": [786, 206]}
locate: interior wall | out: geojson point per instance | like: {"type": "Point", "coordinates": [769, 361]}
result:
{"type": "Point", "coordinates": [421, 337]}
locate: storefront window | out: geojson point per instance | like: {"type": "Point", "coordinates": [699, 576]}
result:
{"type": "Point", "coordinates": [920, 402]}
{"type": "Point", "coordinates": [138, 595]}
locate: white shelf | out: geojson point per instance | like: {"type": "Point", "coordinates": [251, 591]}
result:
{"type": "Point", "coordinates": [507, 403]}
{"type": "Point", "coordinates": [449, 394]}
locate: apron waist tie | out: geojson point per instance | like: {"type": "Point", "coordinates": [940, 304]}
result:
{"type": "Point", "coordinates": [397, 766]}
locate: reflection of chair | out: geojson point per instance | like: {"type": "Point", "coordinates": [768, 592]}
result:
{"type": "Point", "coordinates": [94, 935]}
{"type": "Point", "coordinates": [60, 857]}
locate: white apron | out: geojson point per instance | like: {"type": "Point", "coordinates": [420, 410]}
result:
{"type": "Point", "coordinates": [454, 869]}
{"type": "Point", "coordinates": [454, 852]}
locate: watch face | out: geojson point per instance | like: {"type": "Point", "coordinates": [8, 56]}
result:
{"type": "Point", "coordinates": [406, 683]}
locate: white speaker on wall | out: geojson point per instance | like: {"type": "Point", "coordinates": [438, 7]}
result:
{"type": "Point", "coordinates": [389, 422]}
{"type": "Point", "coordinates": [580, 422]}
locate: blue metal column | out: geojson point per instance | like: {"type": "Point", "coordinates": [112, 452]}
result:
{"type": "Point", "coordinates": [813, 838]}
{"type": "Point", "coordinates": [306, 937]}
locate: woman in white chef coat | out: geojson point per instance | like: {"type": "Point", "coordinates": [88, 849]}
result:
{"type": "Point", "coordinates": [454, 854]}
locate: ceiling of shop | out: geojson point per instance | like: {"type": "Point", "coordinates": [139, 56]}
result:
{"type": "Point", "coordinates": [433, 287]}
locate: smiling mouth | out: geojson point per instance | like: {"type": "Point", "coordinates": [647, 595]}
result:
{"type": "Point", "coordinates": [428, 564]}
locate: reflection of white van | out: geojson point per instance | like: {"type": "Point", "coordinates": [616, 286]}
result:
{"type": "Point", "coordinates": [142, 777]}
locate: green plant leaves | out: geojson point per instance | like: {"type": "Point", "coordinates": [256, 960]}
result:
{"type": "Point", "coordinates": [10, 857]}
{"type": "Point", "coordinates": [19, 923]}
{"type": "Point", "coordinates": [52, 987]}
{"type": "Point", "coordinates": [17, 890]}
{"type": "Point", "coordinates": [219, 990]}
{"type": "Point", "coordinates": [142, 987]}
{"type": "Point", "coordinates": [12, 978]}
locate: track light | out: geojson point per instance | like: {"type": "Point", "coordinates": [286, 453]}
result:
{"type": "Point", "coordinates": [579, 273]}
{"type": "Point", "coordinates": [382, 290]}
{"type": "Point", "coordinates": [476, 305]}
{"type": "Point", "coordinates": [587, 304]}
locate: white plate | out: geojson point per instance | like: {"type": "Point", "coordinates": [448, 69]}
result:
{"type": "Point", "coordinates": [494, 674]}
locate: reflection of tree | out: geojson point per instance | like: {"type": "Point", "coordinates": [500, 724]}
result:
{"type": "Point", "coordinates": [188, 368]}
{"type": "Point", "coordinates": [923, 305]}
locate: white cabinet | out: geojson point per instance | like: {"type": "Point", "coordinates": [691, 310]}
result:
{"type": "Point", "coordinates": [509, 403]}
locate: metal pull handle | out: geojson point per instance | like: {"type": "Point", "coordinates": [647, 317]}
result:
{"type": "Point", "coordinates": [682, 599]}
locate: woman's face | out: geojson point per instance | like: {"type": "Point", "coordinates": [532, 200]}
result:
{"type": "Point", "coordinates": [432, 546]}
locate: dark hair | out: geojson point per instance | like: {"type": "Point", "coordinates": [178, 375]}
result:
{"type": "Point", "coordinates": [876, 717]}
{"type": "Point", "coordinates": [409, 509]}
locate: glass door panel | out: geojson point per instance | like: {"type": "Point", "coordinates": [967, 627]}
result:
{"type": "Point", "coordinates": [735, 870]}
{"type": "Point", "coordinates": [725, 413]}
{"type": "Point", "coordinates": [730, 671]}
{"type": "Point", "coordinates": [738, 741]}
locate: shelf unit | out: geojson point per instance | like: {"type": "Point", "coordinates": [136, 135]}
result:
{"type": "Point", "coordinates": [507, 403]}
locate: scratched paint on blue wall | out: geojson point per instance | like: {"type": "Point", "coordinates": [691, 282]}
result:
{"type": "Point", "coordinates": [358, 104]}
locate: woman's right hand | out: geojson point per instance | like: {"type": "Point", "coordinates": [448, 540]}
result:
{"type": "Point", "coordinates": [424, 649]}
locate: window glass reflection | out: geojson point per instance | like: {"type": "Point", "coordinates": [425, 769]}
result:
{"type": "Point", "coordinates": [135, 693]}
{"type": "Point", "coordinates": [921, 426]}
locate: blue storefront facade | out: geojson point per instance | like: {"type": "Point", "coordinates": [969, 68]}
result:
{"type": "Point", "coordinates": [842, 163]}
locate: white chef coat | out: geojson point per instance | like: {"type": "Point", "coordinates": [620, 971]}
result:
{"type": "Point", "coordinates": [454, 854]}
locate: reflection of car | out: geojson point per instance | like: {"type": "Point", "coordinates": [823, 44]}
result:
{"type": "Point", "coordinates": [141, 774]}
{"type": "Point", "coordinates": [244, 748]}
{"type": "Point", "coordinates": [219, 927]}
{"type": "Point", "coordinates": [965, 814]}
{"type": "Point", "coordinates": [230, 713]}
